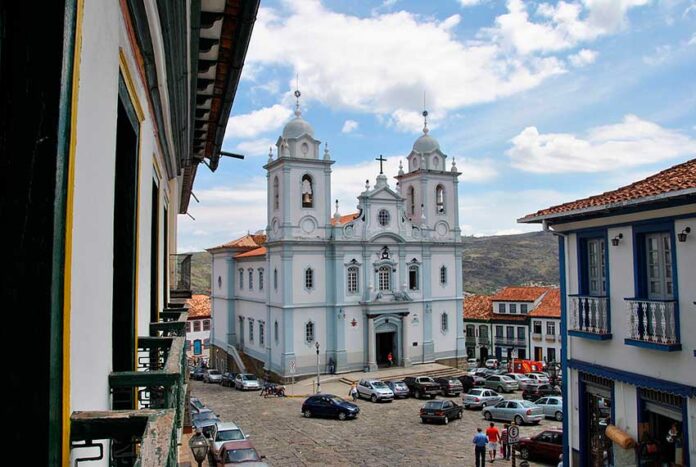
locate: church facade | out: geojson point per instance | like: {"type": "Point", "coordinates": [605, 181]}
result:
{"type": "Point", "coordinates": [353, 288]}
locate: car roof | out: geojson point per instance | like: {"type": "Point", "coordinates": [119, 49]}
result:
{"type": "Point", "coordinates": [221, 426]}
{"type": "Point", "coordinates": [237, 444]}
{"type": "Point", "coordinates": [373, 381]}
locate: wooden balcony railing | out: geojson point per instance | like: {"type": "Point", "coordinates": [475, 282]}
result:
{"type": "Point", "coordinates": [589, 315]}
{"type": "Point", "coordinates": [652, 322]}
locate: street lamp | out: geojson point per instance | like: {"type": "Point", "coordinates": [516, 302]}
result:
{"type": "Point", "coordinates": [318, 382]}
{"type": "Point", "coordinates": [199, 447]}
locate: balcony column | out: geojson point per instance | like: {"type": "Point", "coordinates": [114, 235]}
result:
{"type": "Point", "coordinates": [371, 343]}
{"type": "Point", "coordinates": [405, 342]}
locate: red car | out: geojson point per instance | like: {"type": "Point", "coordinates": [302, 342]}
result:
{"type": "Point", "coordinates": [239, 452]}
{"type": "Point", "coordinates": [547, 445]}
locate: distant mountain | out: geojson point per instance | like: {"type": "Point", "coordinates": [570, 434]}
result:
{"type": "Point", "coordinates": [489, 263]}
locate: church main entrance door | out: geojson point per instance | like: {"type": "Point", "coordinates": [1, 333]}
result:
{"type": "Point", "coordinates": [386, 344]}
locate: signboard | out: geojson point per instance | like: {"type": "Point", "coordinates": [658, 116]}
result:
{"type": "Point", "coordinates": [513, 434]}
{"type": "Point", "coordinates": [293, 368]}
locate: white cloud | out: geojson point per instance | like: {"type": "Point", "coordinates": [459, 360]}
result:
{"type": "Point", "coordinates": [476, 170]}
{"type": "Point", "coordinates": [660, 55]}
{"type": "Point", "coordinates": [631, 143]}
{"type": "Point", "coordinates": [349, 126]}
{"type": "Point", "coordinates": [469, 3]}
{"type": "Point", "coordinates": [583, 58]}
{"type": "Point", "coordinates": [257, 122]}
{"type": "Point", "coordinates": [692, 41]}
{"type": "Point", "coordinates": [255, 147]}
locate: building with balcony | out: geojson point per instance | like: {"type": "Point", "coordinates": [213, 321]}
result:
{"type": "Point", "coordinates": [510, 320]}
{"type": "Point", "coordinates": [198, 329]}
{"type": "Point", "coordinates": [545, 328]}
{"type": "Point", "coordinates": [628, 321]}
{"type": "Point", "coordinates": [108, 110]}
{"type": "Point", "coordinates": [478, 310]}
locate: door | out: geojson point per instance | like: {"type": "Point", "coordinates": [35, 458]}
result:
{"type": "Point", "coordinates": [538, 354]}
{"type": "Point", "coordinates": [385, 346]}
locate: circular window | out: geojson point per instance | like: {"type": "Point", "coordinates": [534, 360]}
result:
{"type": "Point", "coordinates": [383, 217]}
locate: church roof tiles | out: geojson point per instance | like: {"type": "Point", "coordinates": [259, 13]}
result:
{"type": "Point", "coordinates": [478, 307]}
{"type": "Point", "coordinates": [344, 219]}
{"type": "Point", "coordinates": [550, 306]}
{"type": "Point", "coordinates": [248, 242]}
{"type": "Point", "coordinates": [261, 251]}
{"type": "Point", "coordinates": [519, 294]}
{"type": "Point", "coordinates": [198, 306]}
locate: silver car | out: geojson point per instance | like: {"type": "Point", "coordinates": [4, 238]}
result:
{"type": "Point", "coordinates": [375, 390]}
{"type": "Point", "coordinates": [552, 407]}
{"type": "Point", "coordinates": [246, 382]}
{"type": "Point", "coordinates": [522, 380]}
{"type": "Point", "coordinates": [224, 432]}
{"type": "Point", "coordinates": [501, 383]}
{"type": "Point", "coordinates": [480, 398]}
{"type": "Point", "coordinates": [517, 410]}
{"type": "Point", "coordinates": [212, 376]}
{"type": "Point", "coordinates": [540, 378]}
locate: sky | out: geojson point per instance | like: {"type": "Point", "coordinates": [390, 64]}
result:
{"type": "Point", "coordinates": [538, 102]}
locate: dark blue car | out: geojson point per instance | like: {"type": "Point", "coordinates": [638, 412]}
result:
{"type": "Point", "coordinates": [328, 405]}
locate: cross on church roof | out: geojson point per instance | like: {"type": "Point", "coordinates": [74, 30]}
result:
{"type": "Point", "coordinates": [381, 160]}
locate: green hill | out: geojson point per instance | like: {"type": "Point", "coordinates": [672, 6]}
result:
{"type": "Point", "coordinates": [489, 262]}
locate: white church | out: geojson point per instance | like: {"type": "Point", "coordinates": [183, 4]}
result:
{"type": "Point", "coordinates": [352, 288]}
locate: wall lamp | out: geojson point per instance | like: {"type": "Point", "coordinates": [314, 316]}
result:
{"type": "Point", "coordinates": [682, 235]}
{"type": "Point", "coordinates": [615, 241]}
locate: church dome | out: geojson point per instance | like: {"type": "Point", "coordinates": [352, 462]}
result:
{"type": "Point", "coordinates": [425, 143]}
{"type": "Point", "coordinates": [297, 127]}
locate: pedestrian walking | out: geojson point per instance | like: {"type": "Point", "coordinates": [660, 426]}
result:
{"type": "Point", "coordinates": [480, 441]}
{"type": "Point", "coordinates": [353, 392]}
{"type": "Point", "coordinates": [504, 445]}
{"type": "Point", "coordinates": [493, 435]}
{"type": "Point", "coordinates": [390, 359]}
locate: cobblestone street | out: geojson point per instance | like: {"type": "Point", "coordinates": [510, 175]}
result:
{"type": "Point", "coordinates": [383, 434]}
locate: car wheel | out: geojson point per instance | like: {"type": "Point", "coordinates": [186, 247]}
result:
{"type": "Point", "coordinates": [524, 453]}
{"type": "Point", "coordinates": [446, 420]}
{"type": "Point", "coordinates": [487, 416]}
{"type": "Point", "coordinates": [500, 389]}
{"type": "Point", "coordinates": [483, 406]}
{"type": "Point", "coordinates": [422, 420]}
{"type": "Point", "coordinates": [559, 416]}
{"type": "Point", "coordinates": [341, 416]}
{"type": "Point", "coordinates": [418, 395]}
{"type": "Point", "coordinates": [373, 398]}
{"type": "Point", "coordinates": [307, 413]}
{"type": "Point", "coordinates": [466, 406]}
{"type": "Point", "coordinates": [518, 420]}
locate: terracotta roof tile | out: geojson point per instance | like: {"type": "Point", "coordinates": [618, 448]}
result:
{"type": "Point", "coordinates": [248, 241]}
{"type": "Point", "coordinates": [249, 254]}
{"type": "Point", "coordinates": [550, 306]}
{"type": "Point", "coordinates": [519, 294]}
{"type": "Point", "coordinates": [677, 178]}
{"type": "Point", "coordinates": [478, 307]}
{"type": "Point", "coordinates": [344, 219]}
{"type": "Point", "coordinates": [199, 306]}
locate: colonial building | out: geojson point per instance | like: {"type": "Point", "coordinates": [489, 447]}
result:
{"type": "Point", "coordinates": [628, 319]}
{"type": "Point", "coordinates": [515, 322]}
{"type": "Point", "coordinates": [198, 329]}
{"type": "Point", "coordinates": [350, 289]}
{"type": "Point", "coordinates": [108, 109]}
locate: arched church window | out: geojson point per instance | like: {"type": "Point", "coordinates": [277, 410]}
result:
{"type": "Point", "coordinates": [384, 278]}
{"type": "Point", "coordinates": [307, 192]}
{"type": "Point", "coordinates": [440, 199]}
{"type": "Point", "coordinates": [251, 279]}
{"type": "Point", "coordinates": [241, 279]}
{"type": "Point", "coordinates": [260, 279]}
{"type": "Point", "coordinates": [353, 287]}
{"type": "Point", "coordinates": [412, 201]}
{"type": "Point", "coordinates": [276, 194]}
{"type": "Point", "coordinates": [309, 332]}
{"type": "Point", "coordinates": [443, 275]}
{"type": "Point", "coordinates": [444, 322]}
{"type": "Point", "coordinates": [413, 277]}
{"type": "Point", "coordinates": [309, 278]}
{"type": "Point", "coordinates": [383, 217]}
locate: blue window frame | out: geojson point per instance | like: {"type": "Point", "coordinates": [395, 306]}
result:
{"type": "Point", "coordinates": [593, 263]}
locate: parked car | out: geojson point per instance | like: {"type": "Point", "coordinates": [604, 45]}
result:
{"type": "Point", "coordinates": [422, 386]}
{"type": "Point", "coordinates": [328, 405]}
{"type": "Point", "coordinates": [467, 382]}
{"type": "Point", "coordinates": [522, 380]}
{"type": "Point", "coordinates": [547, 445]}
{"type": "Point", "coordinates": [239, 452]}
{"type": "Point", "coordinates": [472, 363]}
{"type": "Point", "coordinates": [198, 374]}
{"type": "Point", "coordinates": [542, 390]}
{"type": "Point", "coordinates": [492, 363]}
{"type": "Point", "coordinates": [399, 388]}
{"type": "Point", "coordinates": [246, 382]}
{"type": "Point", "coordinates": [552, 407]}
{"type": "Point", "coordinates": [541, 378]}
{"type": "Point", "coordinates": [212, 376]}
{"type": "Point", "coordinates": [519, 411]}
{"type": "Point", "coordinates": [480, 398]}
{"type": "Point", "coordinates": [196, 405]}
{"type": "Point", "coordinates": [205, 421]}
{"type": "Point", "coordinates": [440, 410]}
{"type": "Point", "coordinates": [222, 433]}
{"type": "Point", "coordinates": [450, 386]}
{"type": "Point", "coordinates": [375, 390]}
{"type": "Point", "coordinates": [228, 379]}
{"type": "Point", "coordinates": [479, 380]}
{"type": "Point", "coordinates": [501, 383]}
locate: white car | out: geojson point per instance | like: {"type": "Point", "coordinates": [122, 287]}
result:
{"type": "Point", "coordinates": [552, 407]}
{"type": "Point", "coordinates": [540, 378]}
{"type": "Point", "coordinates": [212, 376]}
{"type": "Point", "coordinates": [224, 432]}
{"type": "Point", "coordinates": [375, 390]}
{"type": "Point", "coordinates": [522, 380]}
{"type": "Point", "coordinates": [492, 363]}
{"type": "Point", "coordinates": [246, 382]}
{"type": "Point", "coordinates": [472, 363]}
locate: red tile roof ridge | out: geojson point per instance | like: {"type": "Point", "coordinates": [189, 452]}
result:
{"type": "Point", "coordinates": [261, 251]}
{"type": "Point", "coordinates": [550, 306]}
{"type": "Point", "coordinates": [519, 293]}
{"type": "Point", "coordinates": [344, 219]}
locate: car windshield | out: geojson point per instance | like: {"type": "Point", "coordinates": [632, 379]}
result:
{"type": "Point", "coordinates": [213, 372]}
{"type": "Point", "coordinates": [336, 400]}
{"type": "Point", "coordinates": [229, 435]}
{"type": "Point", "coordinates": [205, 416]}
{"type": "Point", "coordinates": [506, 378]}
{"type": "Point", "coordinates": [433, 405]}
{"type": "Point", "coordinates": [241, 455]}
{"type": "Point", "coordinates": [249, 377]}
{"type": "Point", "coordinates": [475, 392]}
{"type": "Point", "coordinates": [454, 381]}
{"type": "Point", "coordinates": [379, 385]}
{"type": "Point", "coordinates": [197, 404]}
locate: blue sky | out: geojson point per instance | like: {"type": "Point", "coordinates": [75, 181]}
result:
{"type": "Point", "coordinates": [538, 102]}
